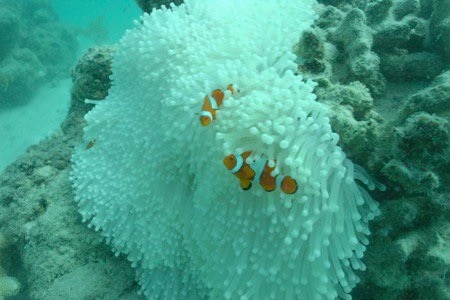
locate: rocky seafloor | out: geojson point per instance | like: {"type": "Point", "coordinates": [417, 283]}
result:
{"type": "Point", "coordinates": [383, 69]}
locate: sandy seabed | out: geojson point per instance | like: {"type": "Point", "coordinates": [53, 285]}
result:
{"type": "Point", "coordinates": [21, 127]}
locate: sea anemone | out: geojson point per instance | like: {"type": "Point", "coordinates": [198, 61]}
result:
{"type": "Point", "coordinates": [154, 183]}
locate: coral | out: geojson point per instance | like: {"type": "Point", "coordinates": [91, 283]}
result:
{"type": "Point", "coordinates": [405, 7]}
{"type": "Point", "coordinates": [9, 286]}
{"type": "Point", "coordinates": [355, 38]}
{"type": "Point", "coordinates": [418, 66]}
{"type": "Point", "coordinates": [377, 11]}
{"type": "Point", "coordinates": [351, 116]}
{"type": "Point", "coordinates": [378, 39]}
{"type": "Point", "coordinates": [434, 99]}
{"type": "Point", "coordinates": [329, 17]}
{"type": "Point", "coordinates": [440, 28]}
{"type": "Point", "coordinates": [407, 146]}
{"type": "Point", "coordinates": [390, 35]}
{"type": "Point", "coordinates": [363, 61]}
{"type": "Point", "coordinates": [204, 236]}
{"type": "Point", "coordinates": [424, 139]}
{"type": "Point", "coordinates": [90, 81]}
{"type": "Point", "coordinates": [311, 50]}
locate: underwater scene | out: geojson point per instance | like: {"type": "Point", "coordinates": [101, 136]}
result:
{"type": "Point", "coordinates": [224, 149]}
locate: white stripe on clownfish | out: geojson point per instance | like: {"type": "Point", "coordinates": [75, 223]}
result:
{"type": "Point", "coordinates": [239, 163]}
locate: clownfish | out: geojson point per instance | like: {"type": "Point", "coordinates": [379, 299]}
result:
{"type": "Point", "coordinates": [240, 168]}
{"type": "Point", "coordinates": [260, 170]}
{"type": "Point", "coordinates": [90, 144]}
{"type": "Point", "coordinates": [211, 103]}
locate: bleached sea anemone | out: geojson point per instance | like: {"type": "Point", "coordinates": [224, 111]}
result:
{"type": "Point", "coordinates": [151, 178]}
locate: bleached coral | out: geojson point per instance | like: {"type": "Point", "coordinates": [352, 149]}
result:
{"type": "Point", "coordinates": [152, 180]}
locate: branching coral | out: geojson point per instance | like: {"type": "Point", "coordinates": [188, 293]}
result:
{"type": "Point", "coordinates": [152, 180]}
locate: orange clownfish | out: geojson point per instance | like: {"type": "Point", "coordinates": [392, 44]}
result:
{"type": "Point", "coordinates": [211, 103]}
{"type": "Point", "coordinates": [261, 170]}
{"type": "Point", "coordinates": [240, 168]}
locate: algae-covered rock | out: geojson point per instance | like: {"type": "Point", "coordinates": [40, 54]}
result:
{"type": "Point", "coordinates": [351, 115]}
{"type": "Point", "coordinates": [440, 28]}
{"type": "Point", "coordinates": [434, 99]}
{"type": "Point", "coordinates": [378, 11]}
{"type": "Point", "coordinates": [330, 16]}
{"type": "Point", "coordinates": [405, 7]}
{"type": "Point", "coordinates": [425, 139]}
{"type": "Point", "coordinates": [91, 74]}
{"type": "Point", "coordinates": [355, 38]}
{"type": "Point", "coordinates": [407, 66]}
{"type": "Point", "coordinates": [9, 286]}
{"type": "Point", "coordinates": [390, 35]}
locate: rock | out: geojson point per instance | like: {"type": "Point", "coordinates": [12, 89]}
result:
{"type": "Point", "coordinates": [355, 95]}
{"type": "Point", "coordinates": [405, 7]}
{"type": "Point", "coordinates": [417, 66]}
{"type": "Point", "coordinates": [417, 35]}
{"type": "Point", "coordinates": [43, 174]}
{"type": "Point", "coordinates": [434, 99]}
{"type": "Point", "coordinates": [398, 173]}
{"type": "Point", "coordinates": [351, 116]}
{"type": "Point", "coordinates": [91, 75]}
{"type": "Point", "coordinates": [391, 35]}
{"type": "Point", "coordinates": [355, 38]}
{"type": "Point", "coordinates": [9, 286]}
{"type": "Point", "coordinates": [311, 54]}
{"type": "Point", "coordinates": [330, 16]}
{"type": "Point", "coordinates": [377, 11]}
{"type": "Point", "coordinates": [425, 139]}
{"type": "Point", "coordinates": [440, 28]}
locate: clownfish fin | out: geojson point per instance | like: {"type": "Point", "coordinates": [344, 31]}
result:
{"type": "Point", "coordinates": [287, 184]}
{"type": "Point", "coordinates": [245, 184]}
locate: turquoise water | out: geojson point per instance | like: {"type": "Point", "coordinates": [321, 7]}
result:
{"type": "Point", "coordinates": [114, 15]}
{"type": "Point", "coordinates": [65, 36]}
